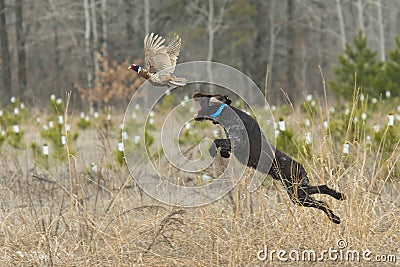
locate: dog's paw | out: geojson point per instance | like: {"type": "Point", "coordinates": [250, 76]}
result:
{"type": "Point", "coordinates": [225, 153]}
{"type": "Point", "coordinates": [335, 219]}
{"type": "Point", "coordinates": [213, 150]}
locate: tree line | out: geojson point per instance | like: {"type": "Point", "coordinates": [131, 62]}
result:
{"type": "Point", "coordinates": [53, 46]}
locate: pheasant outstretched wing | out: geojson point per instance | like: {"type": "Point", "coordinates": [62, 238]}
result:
{"type": "Point", "coordinates": [159, 57]}
{"type": "Point", "coordinates": [173, 49]}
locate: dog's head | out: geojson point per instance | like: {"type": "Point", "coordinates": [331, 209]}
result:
{"type": "Point", "coordinates": [210, 105]}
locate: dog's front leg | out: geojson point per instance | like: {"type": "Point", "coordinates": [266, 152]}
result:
{"type": "Point", "coordinates": [224, 144]}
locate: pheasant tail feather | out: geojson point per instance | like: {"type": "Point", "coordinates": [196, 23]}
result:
{"type": "Point", "coordinates": [178, 81]}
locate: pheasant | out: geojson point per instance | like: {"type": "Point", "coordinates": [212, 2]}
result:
{"type": "Point", "coordinates": [158, 58]}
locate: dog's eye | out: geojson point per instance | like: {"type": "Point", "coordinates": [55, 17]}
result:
{"type": "Point", "coordinates": [214, 101]}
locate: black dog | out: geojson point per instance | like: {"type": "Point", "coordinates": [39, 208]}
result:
{"type": "Point", "coordinates": [252, 149]}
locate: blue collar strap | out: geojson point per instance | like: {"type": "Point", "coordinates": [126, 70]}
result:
{"type": "Point", "coordinates": [218, 112]}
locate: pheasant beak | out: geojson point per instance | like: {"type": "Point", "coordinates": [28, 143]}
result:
{"type": "Point", "coordinates": [130, 67]}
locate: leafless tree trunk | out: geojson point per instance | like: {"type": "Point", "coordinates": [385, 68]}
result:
{"type": "Point", "coordinates": [95, 45]}
{"type": "Point", "coordinates": [290, 39]}
{"type": "Point", "coordinates": [213, 25]}
{"type": "Point", "coordinates": [360, 8]}
{"type": "Point", "coordinates": [146, 17]}
{"type": "Point", "coordinates": [5, 53]}
{"type": "Point", "coordinates": [382, 51]}
{"type": "Point", "coordinates": [146, 29]}
{"type": "Point", "coordinates": [212, 22]}
{"type": "Point", "coordinates": [21, 55]}
{"type": "Point", "coordinates": [89, 74]}
{"type": "Point", "coordinates": [210, 30]}
{"type": "Point", "coordinates": [341, 23]}
{"type": "Point", "coordinates": [272, 40]}
{"type": "Point", "coordinates": [56, 55]}
{"type": "Point", "coordinates": [104, 26]}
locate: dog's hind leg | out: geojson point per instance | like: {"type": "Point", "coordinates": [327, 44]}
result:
{"type": "Point", "coordinates": [310, 202]}
{"type": "Point", "coordinates": [324, 189]}
{"type": "Point", "coordinates": [300, 195]}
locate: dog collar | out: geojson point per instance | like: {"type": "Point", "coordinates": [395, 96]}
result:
{"type": "Point", "coordinates": [218, 112]}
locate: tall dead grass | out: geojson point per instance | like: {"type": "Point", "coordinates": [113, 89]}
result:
{"type": "Point", "coordinates": [67, 216]}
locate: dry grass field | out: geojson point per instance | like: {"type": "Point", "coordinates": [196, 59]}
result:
{"type": "Point", "coordinates": [68, 215]}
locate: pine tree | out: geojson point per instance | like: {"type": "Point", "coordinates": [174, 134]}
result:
{"type": "Point", "coordinates": [393, 70]}
{"type": "Point", "coordinates": [358, 59]}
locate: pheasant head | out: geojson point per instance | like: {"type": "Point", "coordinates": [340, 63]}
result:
{"type": "Point", "coordinates": [134, 67]}
{"type": "Point", "coordinates": [142, 72]}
